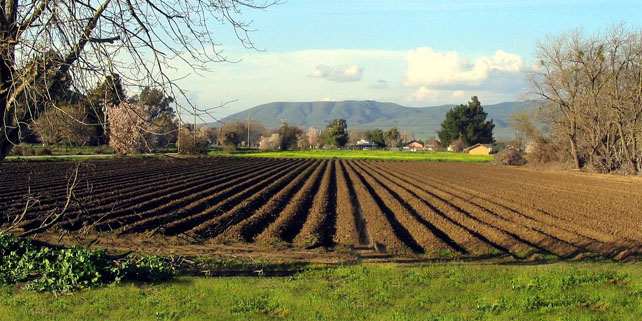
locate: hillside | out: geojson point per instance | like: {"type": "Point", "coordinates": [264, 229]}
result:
{"type": "Point", "coordinates": [368, 114]}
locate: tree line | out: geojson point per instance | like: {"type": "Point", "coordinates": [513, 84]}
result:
{"type": "Point", "coordinates": [590, 89]}
{"type": "Point", "coordinates": [78, 119]}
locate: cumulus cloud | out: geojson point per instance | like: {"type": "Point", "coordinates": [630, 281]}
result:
{"type": "Point", "coordinates": [458, 93]}
{"type": "Point", "coordinates": [338, 73]}
{"type": "Point", "coordinates": [424, 94]}
{"type": "Point", "coordinates": [427, 67]}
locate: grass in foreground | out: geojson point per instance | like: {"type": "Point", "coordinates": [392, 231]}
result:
{"type": "Point", "coordinates": [561, 291]}
{"type": "Point", "coordinates": [363, 154]}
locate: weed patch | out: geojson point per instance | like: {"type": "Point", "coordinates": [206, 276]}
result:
{"type": "Point", "coordinates": [42, 268]}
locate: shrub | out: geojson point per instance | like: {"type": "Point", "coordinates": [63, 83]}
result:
{"type": "Point", "coordinates": [509, 156]}
{"type": "Point", "coordinates": [65, 124]}
{"type": "Point", "coordinates": [17, 151]}
{"type": "Point", "coordinates": [28, 152]}
{"type": "Point", "coordinates": [270, 142]}
{"type": "Point", "coordinates": [43, 152]}
{"type": "Point", "coordinates": [147, 268]}
{"type": "Point", "coordinates": [229, 148]}
{"type": "Point", "coordinates": [194, 144]}
{"type": "Point", "coordinates": [548, 150]}
{"type": "Point", "coordinates": [42, 268]}
{"type": "Point", "coordinates": [102, 150]}
{"type": "Point", "coordinates": [458, 145]}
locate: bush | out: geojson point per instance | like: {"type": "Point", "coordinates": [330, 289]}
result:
{"type": "Point", "coordinates": [549, 150]}
{"type": "Point", "coordinates": [270, 142]}
{"type": "Point", "coordinates": [102, 150]}
{"type": "Point", "coordinates": [229, 148]}
{"type": "Point", "coordinates": [42, 268]}
{"type": "Point", "coordinates": [43, 152]}
{"type": "Point", "coordinates": [147, 268]}
{"type": "Point", "coordinates": [17, 151]}
{"type": "Point", "coordinates": [191, 144]}
{"type": "Point", "coordinates": [65, 124]}
{"type": "Point", "coordinates": [458, 145]}
{"type": "Point", "coordinates": [509, 156]}
{"type": "Point", "coordinates": [28, 152]}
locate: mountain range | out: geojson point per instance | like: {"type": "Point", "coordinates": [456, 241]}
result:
{"type": "Point", "coordinates": [368, 114]}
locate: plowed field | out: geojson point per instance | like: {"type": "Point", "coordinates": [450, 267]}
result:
{"type": "Point", "coordinates": [397, 208]}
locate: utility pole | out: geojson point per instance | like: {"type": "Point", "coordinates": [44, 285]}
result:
{"type": "Point", "coordinates": [248, 128]}
{"type": "Point", "coordinates": [194, 126]}
{"type": "Point", "coordinates": [178, 140]}
{"type": "Point", "coordinates": [105, 133]}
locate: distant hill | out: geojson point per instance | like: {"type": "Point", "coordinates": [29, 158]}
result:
{"type": "Point", "coordinates": [368, 114]}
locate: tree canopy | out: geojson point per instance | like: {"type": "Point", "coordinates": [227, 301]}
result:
{"type": "Point", "coordinates": [337, 133]}
{"type": "Point", "coordinates": [468, 123]}
{"type": "Point", "coordinates": [289, 136]}
{"type": "Point", "coordinates": [590, 89]}
{"type": "Point", "coordinates": [376, 136]}
{"type": "Point", "coordinates": [392, 137]}
{"type": "Point", "coordinates": [157, 103]}
{"type": "Point", "coordinates": [51, 45]}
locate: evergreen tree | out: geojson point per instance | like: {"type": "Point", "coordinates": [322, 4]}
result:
{"type": "Point", "coordinates": [156, 103]}
{"type": "Point", "coordinates": [337, 133]}
{"type": "Point", "coordinates": [376, 136]}
{"type": "Point", "coordinates": [107, 94]}
{"type": "Point", "coordinates": [288, 136]}
{"type": "Point", "coordinates": [468, 123]}
{"type": "Point", "coordinates": [393, 137]}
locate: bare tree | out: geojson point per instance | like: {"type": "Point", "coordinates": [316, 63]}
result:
{"type": "Point", "coordinates": [407, 136]}
{"type": "Point", "coordinates": [47, 45]}
{"type": "Point", "coordinates": [355, 135]}
{"type": "Point", "coordinates": [591, 88]}
{"type": "Point", "coordinates": [558, 85]}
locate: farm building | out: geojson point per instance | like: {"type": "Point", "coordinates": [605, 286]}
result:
{"type": "Point", "coordinates": [479, 149]}
{"type": "Point", "coordinates": [364, 144]}
{"type": "Point", "coordinates": [415, 145]}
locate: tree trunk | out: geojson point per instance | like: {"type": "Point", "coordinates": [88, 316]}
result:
{"type": "Point", "coordinates": [575, 154]}
{"type": "Point", "coordinates": [7, 142]}
{"type": "Point", "coordinates": [635, 159]}
{"type": "Point", "coordinates": [573, 139]}
{"type": "Point", "coordinates": [8, 30]}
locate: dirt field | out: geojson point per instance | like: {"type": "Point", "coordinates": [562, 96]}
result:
{"type": "Point", "coordinates": [328, 209]}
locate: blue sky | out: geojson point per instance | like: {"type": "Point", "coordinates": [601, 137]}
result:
{"type": "Point", "coordinates": [415, 53]}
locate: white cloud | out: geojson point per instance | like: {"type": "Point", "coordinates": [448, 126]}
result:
{"type": "Point", "coordinates": [267, 77]}
{"type": "Point", "coordinates": [338, 73]}
{"type": "Point", "coordinates": [427, 67]}
{"type": "Point", "coordinates": [328, 99]}
{"type": "Point", "coordinates": [424, 94]}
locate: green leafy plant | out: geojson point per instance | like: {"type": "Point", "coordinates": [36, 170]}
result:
{"type": "Point", "coordinates": [43, 268]}
{"type": "Point", "coordinates": [146, 268]}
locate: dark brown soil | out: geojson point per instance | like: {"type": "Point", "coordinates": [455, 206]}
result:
{"type": "Point", "coordinates": [328, 210]}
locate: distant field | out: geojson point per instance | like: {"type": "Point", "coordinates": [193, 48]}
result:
{"type": "Point", "coordinates": [576, 291]}
{"type": "Point", "coordinates": [361, 154]}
